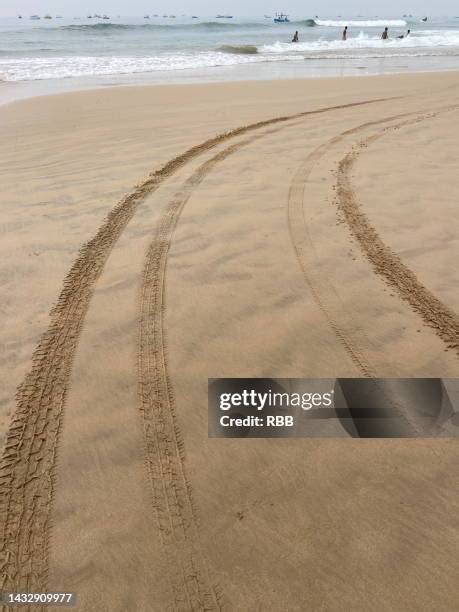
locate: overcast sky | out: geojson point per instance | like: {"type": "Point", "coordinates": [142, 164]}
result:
{"type": "Point", "coordinates": [233, 7]}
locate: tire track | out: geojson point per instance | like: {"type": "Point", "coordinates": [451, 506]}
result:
{"type": "Point", "coordinates": [323, 293]}
{"type": "Point", "coordinates": [164, 449]}
{"type": "Point", "coordinates": [28, 464]}
{"type": "Point", "coordinates": [341, 322]}
{"type": "Point", "coordinates": [325, 296]}
{"type": "Point", "coordinates": [437, 315]}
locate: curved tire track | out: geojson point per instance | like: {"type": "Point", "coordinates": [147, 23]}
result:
{"type": "Point", "coordinates": [28, 464]}
{"type": "Point", "coordinates": [385, 262]}
{"type": "Point", "coordinates": [323, 293]}
{"type": "Point", "coordinates": [171, 489]}
{"type": "Point", "coordinates": [341, 322]}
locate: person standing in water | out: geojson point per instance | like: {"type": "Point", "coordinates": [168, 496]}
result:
{"type": "Point", "coordinates": [385, 34]}
{"type": "Point", "coordinates": [295, 37]}
{"type": "Point", "coordinates": [345, 33]}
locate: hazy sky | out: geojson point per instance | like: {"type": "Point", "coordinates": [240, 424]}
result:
{"type": "Point", "coordinates": [234, 7]}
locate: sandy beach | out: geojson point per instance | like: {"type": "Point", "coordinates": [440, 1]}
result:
{"type": "Point", "coordinates": [155, 237]}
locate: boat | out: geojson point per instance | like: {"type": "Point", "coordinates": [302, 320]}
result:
{"type": "Point", "coordinates": [35, 17]}
{"type": "Point", "coordinates": [47, 17]}
{"type": "Point", "coordinates": [281, 18]}
{"type": "Point", "coordinates": [224, 17]}
{"type": "Point", "coordinates": [424, 19]}
{"type": "Point", "coordinates": [19, 16]}
{"type": "Point", "coordinates": [146, 16]}
{"type": "Point", "coordinates": [105, 17]}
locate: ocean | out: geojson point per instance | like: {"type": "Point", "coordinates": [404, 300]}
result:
{"type": "Point", "coordinates": [86, 52]}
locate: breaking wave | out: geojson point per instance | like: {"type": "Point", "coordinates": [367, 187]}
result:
{"type": "Point", "coordinates": [419, 40]}
{"type": "Point", "coordinates": [371, 23]}
{"type": "Point", "coordinates": [307, 23]}
{"type": "Point", "coordinates": [238, 49]}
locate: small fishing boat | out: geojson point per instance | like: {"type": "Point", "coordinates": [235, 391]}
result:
{"type": "Point", "coordinates": [146, 16]}
{"type": "Point", "coordinates": [47, 17]}
{"type": "Point", "coordinates": [35, 17]}
{"type": "Point", "coordinates": [281, 18]}
{"type": "Point", "coordinates": [224, 17]}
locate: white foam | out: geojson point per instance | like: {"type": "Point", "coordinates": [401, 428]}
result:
{"type": "Point", "coordinates": [447, 38]}
{"type": "Point", "coordinates": [31, 69]}
{"type": "Point", "coordinates": [371, 23]}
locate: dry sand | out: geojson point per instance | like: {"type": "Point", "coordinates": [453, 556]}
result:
{"type": "Point", "coordinates": [318, 241]}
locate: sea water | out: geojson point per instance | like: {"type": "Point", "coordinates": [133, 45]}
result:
{"type": "Point", "coordinates": [121, 50]}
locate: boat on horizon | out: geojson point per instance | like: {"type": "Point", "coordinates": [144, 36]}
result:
{"type": "Point", "coordinates": [224, 17]}
{"type": "Point", "coordinates": [34, 17]}
{"type": "Point", "coordinates": [281, 18]}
